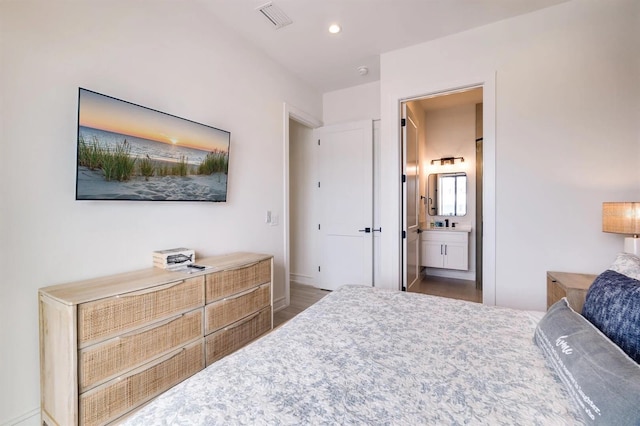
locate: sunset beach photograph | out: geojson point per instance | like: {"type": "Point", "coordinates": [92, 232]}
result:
{"type": "Point", "coordinates": [129, 152]}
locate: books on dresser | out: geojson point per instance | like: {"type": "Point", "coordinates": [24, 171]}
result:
{"type": "Point", "coordinates": [173, 258]}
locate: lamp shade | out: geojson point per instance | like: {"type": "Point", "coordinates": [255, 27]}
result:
{"type": "Point", "coordinates": [621, 218]}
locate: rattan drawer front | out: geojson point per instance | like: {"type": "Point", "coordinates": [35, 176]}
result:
{"type": "Point", "coordinates": [115, 398]}
{"type": "Point", "coordinates": [224, 283]}
{"type": "Point", "coordinates": [104, 361]}
{"type": "Point", "coordinates": [233, 308]}
{"type": "Point", "coordinates": [109, 317]}
{"type": "Point", "coordinates": [235, 336]}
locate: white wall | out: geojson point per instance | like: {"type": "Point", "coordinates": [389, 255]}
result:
{"type": "Point", "coordinates": [173, 57]}
{"type": "Point", "coordinates": [567, 109]}
{"type": "Point", "coordinates": [354, 103]}
{"type": "Point", "coordinates": [303, 191]}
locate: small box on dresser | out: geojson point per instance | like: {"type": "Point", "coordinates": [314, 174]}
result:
{"type": "Point", "coordinates": [110, 344]}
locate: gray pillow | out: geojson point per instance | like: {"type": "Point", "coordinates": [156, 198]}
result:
{"type": "Point", "coordinates": [601, 379]}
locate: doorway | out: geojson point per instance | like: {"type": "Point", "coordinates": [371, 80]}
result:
{"type": "Point", "coordinates": [315, 243]}
{"type": "Point", "coordinates": [298, 214]}
{"type": "Point", "coordinates": [449, 199]}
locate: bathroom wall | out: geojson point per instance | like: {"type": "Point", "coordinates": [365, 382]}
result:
{"type": "Point", "coordinates": [450, 132]}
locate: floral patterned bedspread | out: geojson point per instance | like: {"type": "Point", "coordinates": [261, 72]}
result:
{"type": "Point", "coordinates": [367, 356]}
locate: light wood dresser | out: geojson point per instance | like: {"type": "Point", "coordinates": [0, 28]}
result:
{"type": "Point", "coordinates": [570, 285]}
{"type": "Point", "coordinates": [109, 345]}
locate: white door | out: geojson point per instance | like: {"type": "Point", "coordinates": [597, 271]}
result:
{"type": "Point", "coordinates": [411, 195]}
{"type": "Point", "coordinates": [345, 187]}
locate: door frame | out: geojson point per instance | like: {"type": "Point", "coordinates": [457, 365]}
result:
{"type": "Point", "coordinates": [407, 113]}
{"type": "Point", "coordinates": [308, 120]}
{"type": "Point", "coordinates": [488, 83]}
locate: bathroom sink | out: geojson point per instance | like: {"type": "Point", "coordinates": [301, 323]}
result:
{"type": "Point", "coordinates": [458, 228]}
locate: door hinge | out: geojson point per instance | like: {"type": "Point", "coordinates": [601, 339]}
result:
{"type": "Point", "coordinates": [404, 234]}
{"type": "Point", "coordinates": [318, 142]}
{"type": "Point", "coordinates": [404, 178]}
{"type": "Point", "coordinates": [403, 122]}
{"type": "Point", "coordinates": [318, 184]}
{"type": "Point", "coordinates": [318, 227]}
{"type": "Point", "coordinates": [318, 269]}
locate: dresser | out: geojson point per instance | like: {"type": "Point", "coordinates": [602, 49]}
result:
{"type": "Point", "coordinates": [110, 344]}
{"type": "Point", "coordinates": [573, 286]}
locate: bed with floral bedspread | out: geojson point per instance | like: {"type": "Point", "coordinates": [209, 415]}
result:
{"type": "Point", "coordinates": [368, 356]}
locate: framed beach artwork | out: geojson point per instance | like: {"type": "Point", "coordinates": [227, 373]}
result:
{"type": "Point", "coordinates": [130, 152]}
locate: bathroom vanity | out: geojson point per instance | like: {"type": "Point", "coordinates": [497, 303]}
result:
{"type": "Point", "coordinates": [446, 248]}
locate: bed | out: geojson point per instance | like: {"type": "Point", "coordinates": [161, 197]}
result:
{"type": "Point", "coordinates": [369, 356]}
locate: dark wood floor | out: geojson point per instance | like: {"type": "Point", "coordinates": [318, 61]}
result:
{"type": "Point", "coordinates": [303, 296]}
{"type": "Point", "coordinates": [448, 287]}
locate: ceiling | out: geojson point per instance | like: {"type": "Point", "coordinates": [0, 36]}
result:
{"type": "Point", "coordinates": [369, 28]}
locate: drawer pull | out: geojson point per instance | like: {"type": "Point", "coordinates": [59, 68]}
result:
{"type": "Point", "coordinates": [150, 290]}
{"type": "Point", "coordinates": [244, 293]}
{"type": "Point", "coordinates": [149, 327]}
{"type": "Point", "coordinates": [242, 322]}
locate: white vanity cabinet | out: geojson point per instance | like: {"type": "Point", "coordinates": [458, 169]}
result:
{"type": "Point", "coordinates": [445, 249]}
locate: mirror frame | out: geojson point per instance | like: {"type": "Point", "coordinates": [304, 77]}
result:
{"type": "Point", "coordinates": [434, 185]}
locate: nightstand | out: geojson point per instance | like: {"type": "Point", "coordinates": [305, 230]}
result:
{"type": "Point", "coordinates": [570, 285]}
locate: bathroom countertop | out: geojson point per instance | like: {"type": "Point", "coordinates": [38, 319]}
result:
{"type": "Point", "coordinates": [424, 226]}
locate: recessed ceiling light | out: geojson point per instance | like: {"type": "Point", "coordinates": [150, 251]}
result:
{"type": "Point", "coordinates": [334, 28]}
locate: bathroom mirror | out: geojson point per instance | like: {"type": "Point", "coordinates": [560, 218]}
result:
{"type": "Point", "coordinates": [447, 194]}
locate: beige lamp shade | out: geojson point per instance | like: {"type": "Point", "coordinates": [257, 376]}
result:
{"type": "Point", "coordinates": [621, 218]}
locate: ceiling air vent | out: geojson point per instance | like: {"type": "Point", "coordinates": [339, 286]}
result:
{"type": "Point", "coordinates": [275, 15]}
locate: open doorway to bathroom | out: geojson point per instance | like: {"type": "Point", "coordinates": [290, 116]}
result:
{"type": "Point", "coordinates": [447, 129]}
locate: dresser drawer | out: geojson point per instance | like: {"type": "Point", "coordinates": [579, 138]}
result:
{"type": "Point", "coordinates": [224, 283]}
{"type": "Point", "coordinates": [229, 339]}
{"type": "Point", "coordinates": [106, 360]}
{"type": "Point", "coordinates": [109, 317]}
{"type": "Point", "coordinates": [233, 308]}
{"type": "Point", "coordinates": [115, 398]}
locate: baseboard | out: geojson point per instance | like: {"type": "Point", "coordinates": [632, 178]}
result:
{"type": "Point", "coordinates": [302, 279]}
{"type": "Point", "coordinates": [450, 273]}
{"type": "Point", "coordinates": [31, 418]}
{"type": "Point", "coordinates": [279, 304]}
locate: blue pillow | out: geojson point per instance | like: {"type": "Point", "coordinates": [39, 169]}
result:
{"type": "Point", "coordinates": [613, 306]}
{"type": "Point", "coordinates": [602, 380]}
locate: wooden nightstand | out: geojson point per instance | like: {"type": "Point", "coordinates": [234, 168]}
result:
{"type": "Point", "coordinates": [570, 285]}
